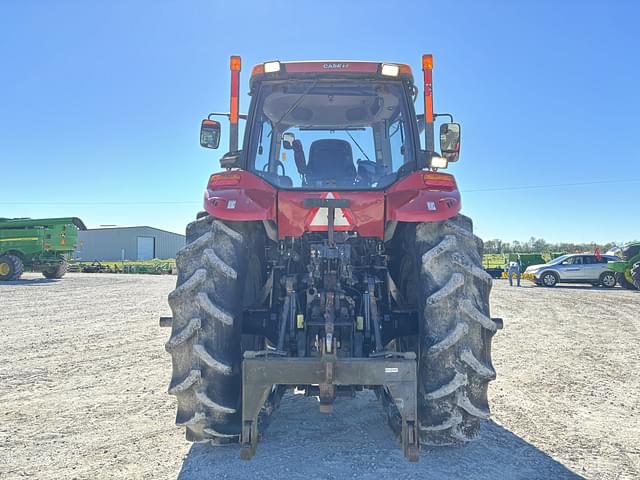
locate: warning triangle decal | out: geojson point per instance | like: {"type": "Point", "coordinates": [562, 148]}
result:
{"type": "Point", "coordinates": [318, 218]}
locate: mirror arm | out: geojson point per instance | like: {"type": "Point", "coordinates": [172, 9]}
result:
{"type": "Point", "coordinates": [243, 116]}
{"type": "Point", "coordinates": [436, 115]}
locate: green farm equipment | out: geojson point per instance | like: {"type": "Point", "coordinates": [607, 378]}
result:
{"type": "Point", "coordinates": [527, 259]}
{"type": "Point", "coordinates": [39, 244]}
{"type": "Point", "coordinates": [494, 264]}
{"type": "Point", "coordinates": [152, 267]}
{"type": "Point", "coordinates": [628, 269]}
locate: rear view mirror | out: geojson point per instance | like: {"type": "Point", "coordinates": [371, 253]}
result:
{"type": "Point", "coordinates": [209, 134]}
{"type": "Point", "coordinates": [287, 140]}
{"type": "Point", "coordinates": [450, 141]}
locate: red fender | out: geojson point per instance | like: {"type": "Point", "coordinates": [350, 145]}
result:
{"type": "Point", "coordinates": [423, 197]}
{"type": "Point", "coordinates": [237, 195]}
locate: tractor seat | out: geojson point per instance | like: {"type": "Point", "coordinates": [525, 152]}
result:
{"type": "Point", "coordinates": [330, 159]}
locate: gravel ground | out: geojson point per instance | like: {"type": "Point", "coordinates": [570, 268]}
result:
{"type": "Point", "coordinates": [83, 378]}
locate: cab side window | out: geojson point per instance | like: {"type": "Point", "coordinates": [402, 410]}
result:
{"type": "Point", "coordinates": [397, 133]}
{"type": "Point", "coordinates": [264, 144]}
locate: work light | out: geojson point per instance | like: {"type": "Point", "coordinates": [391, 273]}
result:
{"type": "Point", "coordinates": [389, 70]}
{"type": "Point", "coordinates": [439, 162]}
{"type": "Point", "coordinates": [271, 67]}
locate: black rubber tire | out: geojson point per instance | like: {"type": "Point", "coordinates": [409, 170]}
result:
{"type": "Point", "coordinates": [206, 341]}
{"type": "Point", "coordinates": [635, 274]}
{"type": "Point", "coordinates": [603, 280]}
{"type": "Point", "coordinates": [455, 332]}
{"type": "Point", "coordinates": [58, 271]}
{"type": "Point", "coordinates": [16, 267]}
{"type": "Point", "coordinates": [624, 283]}
{"type": "Point", "coordinates": [549, 283]}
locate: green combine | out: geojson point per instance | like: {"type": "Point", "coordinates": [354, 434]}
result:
{"type": "Point", "coordinates": [628, 269]}
{"type": "Point", "coordinates": [38, 244]}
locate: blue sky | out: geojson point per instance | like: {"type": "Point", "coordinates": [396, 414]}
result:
{"type": "Point", "coordinates": [100, 102]}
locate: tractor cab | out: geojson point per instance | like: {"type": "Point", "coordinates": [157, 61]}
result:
{"type": "Point", "coordinates": [319, 125]}
{"type": "Point", "coordinates": [329, 129]}
{"type": "Point", "coordinates": [333, 129]}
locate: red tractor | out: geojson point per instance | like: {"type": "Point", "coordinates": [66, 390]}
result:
{"type": "Point", "coordinates": [331, 257]}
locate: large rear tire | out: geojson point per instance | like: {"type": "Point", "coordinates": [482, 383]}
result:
{"type": "Point", "coordinates": [624, 282]}
{"type": "Point", "coordinates": [635, 274]}
{"type": "Point", "coordinates": [206, 340]}
{"type": "Point", "coordinates": [57, 271]}
{"type": "Point", "coordinates": [11, 267]}
{"type": "Point", "coordinates": [455, 332]}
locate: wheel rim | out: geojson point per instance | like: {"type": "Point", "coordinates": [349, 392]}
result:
{"type": "Point", "coordinates": [549, 280]}
{"type": "Point", "coordinates": [608, 280]}
{"type": "Point", "coordinates": [5, 268]}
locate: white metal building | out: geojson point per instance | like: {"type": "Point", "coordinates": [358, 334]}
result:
{"type": "Point", "coordinates": [127, 243]}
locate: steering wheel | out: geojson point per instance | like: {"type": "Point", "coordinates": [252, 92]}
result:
{"type": "Point", "coordinates": [279, 164]}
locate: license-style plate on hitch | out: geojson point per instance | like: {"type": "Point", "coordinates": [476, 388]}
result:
{"type": "Point", "coordinates": [397, 374]}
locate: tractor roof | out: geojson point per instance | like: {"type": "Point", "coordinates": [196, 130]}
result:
{"type": "Point", "coordinates": [330, 68]}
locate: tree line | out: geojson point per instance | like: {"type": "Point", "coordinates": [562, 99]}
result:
{"type": "Point", "coordinates": [541, 245]}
